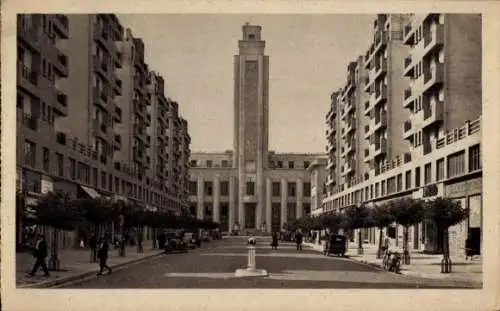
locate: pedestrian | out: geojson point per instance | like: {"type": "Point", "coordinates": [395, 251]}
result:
{"type": "Point", "coordinates": [103, 255]}
{"type": "Point", "coordinates": [140, 237]}
{"type": "Point", "coordinates": [274, 243]}
{"type": "Point", "coordinates": [40, 253]}
{"type": "Point", "coordinates": [469, 249]}
{"type": "Point", "coordinates": [161, 240]}
{"type": "Point", "coordinates": [93, 248]}
{"type": "Point", "coordinates": [298, 240]}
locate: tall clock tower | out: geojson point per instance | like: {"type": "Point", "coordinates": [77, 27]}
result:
{"type": "Point", "coordinates": [251, 124]}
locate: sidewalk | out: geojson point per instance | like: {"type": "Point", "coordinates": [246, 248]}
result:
{"type": "Point", "coordinates": [75, 264]}
{"type": "Point", "coordinates": [422, 265]}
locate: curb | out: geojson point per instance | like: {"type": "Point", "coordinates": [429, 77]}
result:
{"type": "Point", "coordinates": [84, 275]}
{"type": "Point", "coordinates": [464, 283]}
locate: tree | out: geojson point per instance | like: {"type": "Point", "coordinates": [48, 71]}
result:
{"type": "Point", "coordinates": [97, 212]}
{"type": "Point", "coordinates": [357, 217]}
{"type": "Point", "coordinates": [332, 221]}
{"type": "Point", "coordinates": [56, 210]}
{"type": "Point", "coordinates": [381, 215]}
{"type": "Point", "coordinates": [407, 212]}
{"type": "Point", "coordinates": [445, 213]}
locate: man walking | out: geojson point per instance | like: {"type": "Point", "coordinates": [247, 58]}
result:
{"type": "Point", "coordinates": [40, 253]}
{"type": "Point", "coordinates": [298, 240]}
{"type": "Point", "coordinates": [103, 255]}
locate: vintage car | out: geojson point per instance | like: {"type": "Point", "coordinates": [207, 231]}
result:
{"type": "Point", "coordinates": [174, 241]}
{"type": "Point", "coordinates": [191, 240]}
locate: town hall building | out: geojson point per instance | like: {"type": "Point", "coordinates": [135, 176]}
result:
{"type": "Point", "coordinates": [251, 187]}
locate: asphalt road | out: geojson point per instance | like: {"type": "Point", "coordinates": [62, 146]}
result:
{"type": "Point", "coordinates": [213, 266]}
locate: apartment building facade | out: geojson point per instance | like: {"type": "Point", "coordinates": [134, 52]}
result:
{"type": "Point", "coordinates": [84, 122]}
{"type": "Point", "coordinates": [437, 150]}
{"type": "Point", "coordinates": [251, 187]}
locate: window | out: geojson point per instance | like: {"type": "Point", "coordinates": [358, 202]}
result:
{"type": "Point", "coordinates": [46, 159]}
{"type": "Point", "coordinates": [251, 37]}
{"type": "Point", "coordinates": [224, 163]}
{"type": "Point", "coordinates": [30, 153]}
{"type": "Point", "coordinates": [417, 177]}
{"type": "Point", "coordinates": [276, 189]}
{"type": "Point", "coordinates": [427, 173]}
{"type": "Point", "coordinates": [60, 164]}
{"type": "Point", "coordinates": [72, 168]}
{"type": "Point", "coordinates": [291, 189]}
{"type": "Point", "coordinates": [250, 188]}
{"type": "Point", "coordinates": [474, 158]}
{"type": "Point", "coordinates": [399, 182]}
{"type": "Point", "coordinates": [291, 164]}
{"type": "Point", "coordinates": [306, 164]}
{"type": "Point", "coordinates": [207, 186]}
{"type": "Point", "coordinates": [224, 188]}
{"type": "Point", "coordinates": [456, 163]}
{"type": "Point", "coordinates": [376, 190]}
{"type": "Point", "coordinates": [382, 188]}
{"type": "Point", "coordinates": [192, 163]}
{"type": "Point", "coordinates": [440, 169]}
{"type": "Point", "coordinates": [307, 189]}
{"type": "Point", "coordinates": [94, 177]}
{"type": "Point", "coordinates": [408, 180]}
{"type": "Point", "coordinates": [103, 180]}
{"type": "Point", "coordinates": [391, 185]}
{"type": "Point", "coordinates": [209, 163]}
{"type": "Point", "coordinates": [280, 164]}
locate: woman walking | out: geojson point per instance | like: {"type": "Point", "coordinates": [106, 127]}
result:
{"type": "Point", "coordinates": [103, 255]}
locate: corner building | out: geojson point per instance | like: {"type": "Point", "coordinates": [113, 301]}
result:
{"type": "Point", "coordinates": [251, 187]}
{"type": "Point", "coordinates": [425, 107]}
{"type": "Point", "coordinates": [92, 119]}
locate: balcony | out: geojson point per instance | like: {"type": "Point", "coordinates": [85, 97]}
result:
{"type": "Point", "coordinates": [350, 147]}
{"type": "Point", "coordinates": [408, 100]}
{"type": "Point", "coordinates": [62, 64]}
{"type": "Point", "coordinates": [433, 77]}
{"type": "Point", "coordinates": [380, 40]}
{"type": "Point", "coordinates": [98, 67]}
{"type": "Point", "coordinates": [118, 59]}
{"type": "Point", "coordinates": [434, 38]}
{"type": "Point", "coordinates": [408, 67]}
{"type": "Point", "coordinates": [30, 122]}
{"type": "Point", "coordinates": [380, 95]}
{"type": "Point", "coordinates": [139, 84]}
{"type": "Point", "coordinates": [61, 103]}
{"type": "Point", "coordinates": [349, 106]}
{"type": "Point", "coordinates": [433, 112]}
{"type": "Point", "coordinates": [117, 86]}
{"type": "Point", "coordinates": [380, 120]}
{"type": "Point", "coordinates": [380, 68]}
{"type": "Point", "coordinates": [117, 142]}
{"type": "Point", "coordinates": [138, 154]}
{"type": "Point", "coordinates": [62, 25]}
{"type": "Point", "coordinates": [30, 35]}
{"type": "Point", "coordinates": [100, 35]}
{"type": "Point", "coordinates": [100, 130]}
{"type": "Point", "coordinates": [407, 132]}
{"type": "Point", "coordinates": [117, 114]}
{"type": "Point", "coordinates": [380, 147]}
{"type": "Point", "coordinates": [408, 35]}
{"type": "Point", "coordinates": [27, 78]}
{"type": "Point", "coordinates": [351, 125]}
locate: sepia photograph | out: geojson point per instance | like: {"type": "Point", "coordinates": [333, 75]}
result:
{"type": "Point", "coordinates": [246, 151]}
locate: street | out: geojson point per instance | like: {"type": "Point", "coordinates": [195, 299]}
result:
{"type": "Point", "coordinates": [213, 266]}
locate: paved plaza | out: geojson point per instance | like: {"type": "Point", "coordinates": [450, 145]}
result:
{"type": "Point", "coordinates": [213, 266]}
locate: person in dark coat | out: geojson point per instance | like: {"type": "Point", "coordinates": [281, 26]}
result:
{"type": "Point", "coordinates": [274, 243]}
{"type": "Point", "coordinates": [298, 240]}
{"type": "Point", "coordinates": [103, 255]}
{"type": "Point", "coordinates": [161, 240]}
{"type": "Point", "coordinates": [40, 253]}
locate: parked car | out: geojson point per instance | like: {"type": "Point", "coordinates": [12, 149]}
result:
{"type": "Point", "coordinates": [174, 241]}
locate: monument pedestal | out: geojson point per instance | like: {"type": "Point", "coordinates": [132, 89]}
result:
{"type": "Point", "coordinates": [251, 270]}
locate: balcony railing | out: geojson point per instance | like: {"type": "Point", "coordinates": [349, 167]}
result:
{"type": "Point", "coordinates": [62, 98]}
{"type": "Point", "coordinates": [30, 122]}
{"type": "Point", "coordinates": [470, 127]}
{"type": "Point", "coordinates": [63, 19]}
{"type": "Point", "coordinates": [407, 61]}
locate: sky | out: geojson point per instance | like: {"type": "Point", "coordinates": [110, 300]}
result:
{"type": "Point", "coordinates": [308, 58]}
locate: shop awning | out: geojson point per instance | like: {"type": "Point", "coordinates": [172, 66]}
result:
{"type": "Point", "coordinates": [91, 192]}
